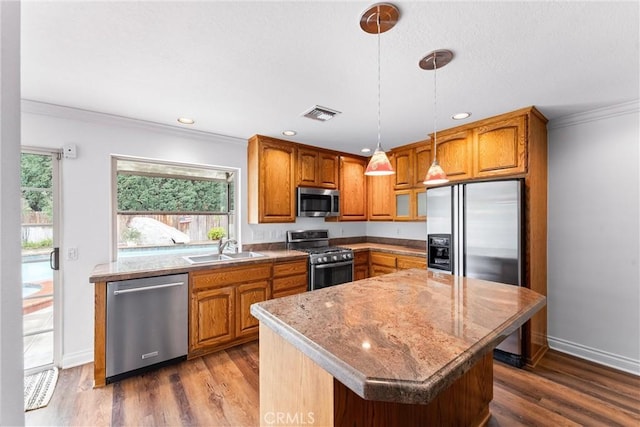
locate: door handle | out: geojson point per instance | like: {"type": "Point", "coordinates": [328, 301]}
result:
{"type": "Point", "coordinates": [335, 264]}
{"type": "Point", "coordinates": [54, 259]}
{"type": "Point", "coordinates": [147, 288]}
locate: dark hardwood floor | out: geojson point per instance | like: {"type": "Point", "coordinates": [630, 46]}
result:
{"type": "Point", "coordinates": [222, 390]}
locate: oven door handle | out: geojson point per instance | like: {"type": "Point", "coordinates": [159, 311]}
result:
{"type": "Point", "coordinates": [335, 264]}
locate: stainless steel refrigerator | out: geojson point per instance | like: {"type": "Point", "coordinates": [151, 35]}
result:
{"type": "Point", "coordinates": [475, 230]}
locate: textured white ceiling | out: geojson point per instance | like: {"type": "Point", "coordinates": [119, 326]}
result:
{"type": "Point", "coordinates": [240, 68]}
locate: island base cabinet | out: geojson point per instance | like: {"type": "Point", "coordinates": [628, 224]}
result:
{"type": "Point", "coordinates": [464, 403]}
{"type": "Point", "coordinates": [295, 391]}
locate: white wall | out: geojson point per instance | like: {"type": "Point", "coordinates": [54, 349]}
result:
{"type": "Point", "coordinates": [85, 188]}
{"type": "Point", "coordinates": [594, 275]}
{"type": "Point", "coordinates": [11, 365]}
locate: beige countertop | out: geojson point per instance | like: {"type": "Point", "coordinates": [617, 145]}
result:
{"type": "Point", "coordinates": [158, 265]}
{"type": "Point", "coordinates": [402, 337]}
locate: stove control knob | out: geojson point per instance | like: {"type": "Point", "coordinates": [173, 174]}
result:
{"type": "Point", "coordinates": [335, 257]}
{"type": "Point", "coordinates": [323, 259]}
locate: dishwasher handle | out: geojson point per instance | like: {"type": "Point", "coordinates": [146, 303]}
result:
{"type": "Point", "coordinates": [147, 288]}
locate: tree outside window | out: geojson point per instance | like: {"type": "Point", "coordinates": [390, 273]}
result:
{"type": "Point", "coordinates": [169, 206]}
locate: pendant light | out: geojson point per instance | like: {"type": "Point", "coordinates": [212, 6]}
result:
{"type": "Point", "coordinates": [378, 19]}
{"type": "Point", "coordinates": [437, 58]}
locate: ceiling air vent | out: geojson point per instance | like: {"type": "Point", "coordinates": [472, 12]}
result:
{"type": "Point", "coordinates": [320, 113]}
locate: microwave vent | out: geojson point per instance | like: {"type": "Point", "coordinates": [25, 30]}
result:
{"type": "Point", "coordinates": [320, 113]}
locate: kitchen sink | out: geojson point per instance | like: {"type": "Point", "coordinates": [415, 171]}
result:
{"type": "Point", "coordinates": [241, 255]}
{"type": "Point", "coordinates": [202, 259]}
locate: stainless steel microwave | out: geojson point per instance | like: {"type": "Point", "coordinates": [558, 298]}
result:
{"type": "Point", "coordinates": [318, 202]}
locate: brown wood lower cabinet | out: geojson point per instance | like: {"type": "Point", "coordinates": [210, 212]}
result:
{"type": "Point", "coordinates": [220, 298]}
{"type": "Point", "coordinates": [360, 265]}
{"type": "Point", "coordinates": [289, 278]}
{"type": "Point", "coordinates": [404, 262]}
{"type": "Point", "coordinates": [247, 294]}
{"type": "Point", "coordinates": [385, 263]}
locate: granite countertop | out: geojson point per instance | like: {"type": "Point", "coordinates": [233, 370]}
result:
{"type": "Point", "coordinates": [402, 337]}
{"type": "Point", "coordinates": [158, 265]}
{"type": "Point", "coordinates": [392, 249]}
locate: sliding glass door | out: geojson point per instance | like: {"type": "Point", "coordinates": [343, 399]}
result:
{"type": "Point", "coordinates": [40, 258]}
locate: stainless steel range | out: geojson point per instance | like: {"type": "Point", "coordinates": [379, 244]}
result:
{"type": "Point", "coordinates": [328, 265]}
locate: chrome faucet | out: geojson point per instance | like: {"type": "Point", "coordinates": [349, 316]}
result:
{"type": "Point", "coordinates": [223, 246]}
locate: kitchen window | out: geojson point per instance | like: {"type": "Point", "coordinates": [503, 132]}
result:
{"type": "Point", "coordinates": [164, 207]}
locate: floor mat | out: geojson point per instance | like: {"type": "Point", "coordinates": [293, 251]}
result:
{"type": "Point", "coordinates": [38, 388]}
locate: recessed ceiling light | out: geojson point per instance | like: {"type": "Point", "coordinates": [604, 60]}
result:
{"type": "Point", "coordinates": [289, 132]}
{"type": "Point", "coordinates": [461, 116]}
{"type": "Point", "coordinates": [186, 120]}
{"type": "Point", "coordinates": [366, 150]}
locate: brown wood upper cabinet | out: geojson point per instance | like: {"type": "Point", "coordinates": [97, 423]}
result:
{"type": "Point", "coordinates": [411, 163]}
{"type": "Point", "coordinates": [489, 148]}
{"type": "Point", "coordinates": [317, 168]}
{"type": "Point", "coordinates": [500, 148]}
{"type": "Point", "coordinates": [380, 197]}
{"type": "Point", "coordinates": [353, 189]}
{"type": "Point", "coordinates": [454, 153]}
{"type": "Point", "coordinates": [271, 180]}
{"type": "Point", "coordinates": [423, 159]}
{"type": "Point", "coordinates": [404, 160]}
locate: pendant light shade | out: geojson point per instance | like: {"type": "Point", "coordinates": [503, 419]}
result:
{"type": "Point", "coordinates": [375, 20]}
{"type": "Point", "coordinates": [379, 164]}
{"type": "Point", "coordinates": [435, 174]}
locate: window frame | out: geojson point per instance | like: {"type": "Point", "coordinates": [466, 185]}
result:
{"type": "Point", "coordinates": [235, 213]}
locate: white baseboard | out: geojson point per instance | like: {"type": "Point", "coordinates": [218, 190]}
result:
{"type": "Point", "coordinates": [76, 359]}
{"type": "Point", "coordinates": [615, 361]}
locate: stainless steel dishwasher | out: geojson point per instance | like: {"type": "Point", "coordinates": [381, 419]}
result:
{"type": "Point", "coordinates": [147, 324]}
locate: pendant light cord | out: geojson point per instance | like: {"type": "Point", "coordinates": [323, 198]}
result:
{"type": "Point", "coordinates": [435, 109]}
{"type": "Point", "coordinates": [378, 24]}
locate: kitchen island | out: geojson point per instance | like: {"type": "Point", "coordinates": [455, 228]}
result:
{"type": "Point", "coordinates": [407, 348]}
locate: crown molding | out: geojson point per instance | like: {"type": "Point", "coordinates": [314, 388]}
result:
{"type": "Point", "coordinates": [595, 115]}
{"type": "Point", "coordinates": [60, 111]}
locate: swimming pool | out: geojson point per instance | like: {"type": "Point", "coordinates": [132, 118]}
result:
{"type": "Point", "coordinates": [30, 289]}
{"type": "Point", "coordinates": [36, 269]}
